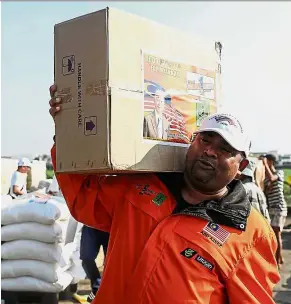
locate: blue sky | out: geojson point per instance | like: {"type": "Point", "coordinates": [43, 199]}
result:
{"type": "Point", "coordinates": [256, 63]}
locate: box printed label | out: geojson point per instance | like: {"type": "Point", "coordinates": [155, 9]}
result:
{"type": "Point", "coordinates": [177, 97]}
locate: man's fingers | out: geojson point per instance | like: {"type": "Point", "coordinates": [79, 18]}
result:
{"type": "Point", "coordinates": [52, 102]}
{"type": "Point", "coordinates": [54, 110]}
{"type": "Point", "coordinates": [53, 90]}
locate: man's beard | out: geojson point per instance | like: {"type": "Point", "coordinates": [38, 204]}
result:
{"type": "Point", "coordinates": [198, 179]}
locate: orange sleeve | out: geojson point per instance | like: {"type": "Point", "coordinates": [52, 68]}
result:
{"type": "Point", "coordinates": [90, 198]}
{"type": "Point", "coordinates": [256, 274]}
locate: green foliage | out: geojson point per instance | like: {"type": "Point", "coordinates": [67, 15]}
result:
{"type": "Point", "coordinates": [29, 180]}
{"type": "Point", "coordinates": [287, 189]}
{"type": "Point", "coordinates": [287, 172]}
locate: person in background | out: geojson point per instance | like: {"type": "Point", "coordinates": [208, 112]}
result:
{"type": "Point", "coordinates": [260, 174]}
{"type": "Point", "coordinates": [255, 194]}
{"type": "Point", "coordinates": [274, 190]}
{"type": "Point", "coordinates": [54, 188]}
{"type": "Point", "coordinates": [91, 241]}
{"type": "Point", "coordinates": [19, 179]}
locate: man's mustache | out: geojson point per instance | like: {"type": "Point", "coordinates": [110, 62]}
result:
{"type": "Point", "coordinates": [208, 161]}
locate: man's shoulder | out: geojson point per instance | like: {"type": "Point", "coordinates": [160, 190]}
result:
{"type": "Point", "coordinates": [157, 179]}
{"type": "Point", "coordinates": [257, 225]}
{"type": "Point", "coordinates": [18, 175]}
{"type": "Point", "coordinates": [280, 173]}
{"type": "Point", "coordinates": [252, 187]}
{"type": "Point", "coordinates": [127, 178]}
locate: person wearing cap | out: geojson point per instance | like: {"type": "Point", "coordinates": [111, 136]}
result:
{"type": "Point", "coordinates": [156, 125]}
{"type": "Point", "coordinates": [19, 179]}
{"type": "Point", "coordinates": [256, 195]}
{"type": "Point", "coordinates": [274, 189]}
{"type": "Point", "coordinates": [180, 237]}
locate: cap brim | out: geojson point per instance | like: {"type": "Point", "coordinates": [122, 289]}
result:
{"type": "Point", "coordinates": [248, 172]}
{"type": "Point", "coordinates": [230, 140]}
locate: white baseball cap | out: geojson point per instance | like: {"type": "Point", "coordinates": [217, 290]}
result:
{"type": "Point", "coordinates": [251, 167]}
{"type": "Point", "coordinates": [24, 162]}
{"type": "Point", "coordinates": [229, 128]}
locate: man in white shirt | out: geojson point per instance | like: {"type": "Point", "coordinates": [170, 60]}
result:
{"type": "Point", "coordinates": [19, 179]}
{"type": "Point", "coordinates": [156, 126]}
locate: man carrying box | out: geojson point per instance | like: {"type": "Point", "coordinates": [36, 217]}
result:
{"type": "Point", "coordinates": [177, 238]}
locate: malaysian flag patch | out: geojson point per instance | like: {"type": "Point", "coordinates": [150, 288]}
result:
{"type": "Point", "coordinates": [215, 233]}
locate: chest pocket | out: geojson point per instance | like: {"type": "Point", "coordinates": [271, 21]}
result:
{"type": "Point", "coordinates": [190, 229]}
{"type": "Point", "coordinates": [154, 201]}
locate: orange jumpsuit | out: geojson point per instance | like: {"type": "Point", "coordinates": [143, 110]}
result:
{"type": "Point", "coordinates": [155, 256]}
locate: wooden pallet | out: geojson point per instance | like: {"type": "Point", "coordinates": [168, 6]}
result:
{"type": "Point", "coordinates": [30, 297]}
{"type": "Point", "coordinates": [18, 297]}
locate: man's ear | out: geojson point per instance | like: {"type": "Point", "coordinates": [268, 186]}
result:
{"type": "Point", "coordinates": [243, 164]}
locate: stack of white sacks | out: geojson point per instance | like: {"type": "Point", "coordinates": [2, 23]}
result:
{"type": "Point", "coordinates": [34, 254]}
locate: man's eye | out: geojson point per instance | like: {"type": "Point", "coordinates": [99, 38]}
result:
{"type": "Point", "coordinates": [224, 149]}
{"type": "Point", "coordinates": [205, 140]}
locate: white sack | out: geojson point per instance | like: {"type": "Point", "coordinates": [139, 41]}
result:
{"type": "Point", "coordinates": [39, 210]}
{"type": "Point", "coordinates": [71, 230]}
{"type": "Point", "coordinates": [48, 272]}
{"type": "Point", "coordinates": [6, 200]}
{"type": "Point", "coordinates": [67, 254]}
{"type": "Point", "coordinates": [31, 250]}
{"type": "Point", "coordinates": [30, 212]}
{"type": "Point", "coordinates": [26, 283]}
{"type": "Point", "coordinates": [32, 231]}
{"type": "Point", "coordinates": [77, 271]}
{"type": "Point", "coordinates": [34, 250]}
{"type": "Point", "coordinates": [61, 204]}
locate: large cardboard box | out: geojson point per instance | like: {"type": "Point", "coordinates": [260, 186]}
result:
{"type": "Point", "coordinates": [133, 92]}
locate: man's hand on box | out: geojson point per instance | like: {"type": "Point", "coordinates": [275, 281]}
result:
{"type": "Point", "coordinates": [54, 102]}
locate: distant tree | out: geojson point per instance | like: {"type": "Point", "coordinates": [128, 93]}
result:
{"type": "Point", "coordinates": [29, 180]}
{"type": "Point", "coordinates": [43, 157]}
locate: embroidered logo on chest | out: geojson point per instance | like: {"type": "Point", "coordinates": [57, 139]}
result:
{"type": "Point", "coordinates": [215, 233]}
{"type": "Point", "coordinates": [145, 190]}
{"type": "Point", "coordinates": [158, 199]}
{"type": "Point", "coordinates": [204, 262]}
{"type": "Point", "coordinates": [189, 253]}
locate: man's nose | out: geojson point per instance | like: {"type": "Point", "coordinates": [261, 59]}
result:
{"type": "Point", "coordinates": [210, 151]}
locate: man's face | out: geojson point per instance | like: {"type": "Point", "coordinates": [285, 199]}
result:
{"type": "Point", "coordinates": [159, 101]}
{"type": "Point", "coordinates": [24, 169]}
{"type": "Point", "coordinates": [211, 163]}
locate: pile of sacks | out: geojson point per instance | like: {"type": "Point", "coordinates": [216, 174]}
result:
{"type": "Point", "coordinates": [34, 254]}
